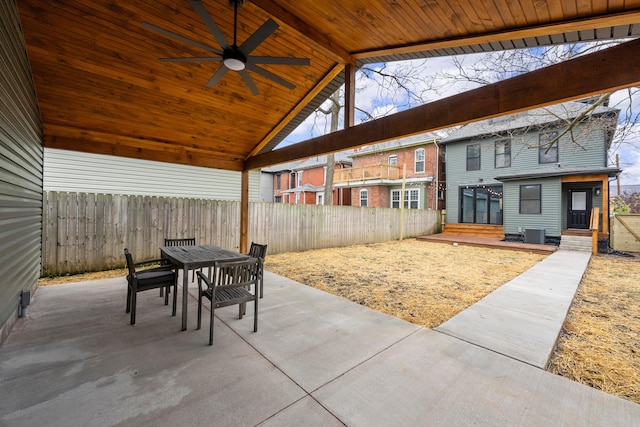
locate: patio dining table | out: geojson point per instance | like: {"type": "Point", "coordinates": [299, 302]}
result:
{"type": "Point", "coordinates": [192, 258]}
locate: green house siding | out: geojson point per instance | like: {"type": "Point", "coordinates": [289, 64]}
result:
{"type": "Point", "coordinates": [458, 177]}
{"type": "Point", "coordinates": [550, 217]}
{"type": "Point", "coordinates": [587, 151]}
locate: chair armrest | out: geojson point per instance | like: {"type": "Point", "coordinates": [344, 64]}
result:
{"type": "Point", "coordinates": [201, 278]}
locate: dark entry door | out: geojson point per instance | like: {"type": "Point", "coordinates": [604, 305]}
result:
{"type": "Point", "coordinates": [579, 209]}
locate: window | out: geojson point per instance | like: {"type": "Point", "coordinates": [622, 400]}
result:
{"type": "Point", "coordinates": [481, 205]}
{"type": "Point", "coordinates": [299, 178]}
{"type": "Point", "coordinates": [292, 180]}
{"type": "Point", "coordinates": [393, 160]}
{"type": "Point", "coordinates": [503, 154]}
{"type": "Point", "coordinates": [530, 200]}
{"type": "Point", "coordinates": [411, 198]}
{"type": "Point", "coordinates": [278, 199]}
{"type": "Point", "coordinates": [278, 183]}
{"type": "Point", "coordinates": [419, 161]}
{"type": "Point", "coordinates": [473, 157]}
{"type": "Point", "coordinates": [297, 198]}
{"type": "Point", "coordinates": [546, 153]}
{"type": "Point", "coordinates": [364, 198]}
{"type": "Point", "coordinates": [319, 199]}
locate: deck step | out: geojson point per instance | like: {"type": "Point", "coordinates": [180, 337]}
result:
{"type": "Point", "coordinates": [482, 230]}
{"type": "Point", "coordinates": [576, 243]}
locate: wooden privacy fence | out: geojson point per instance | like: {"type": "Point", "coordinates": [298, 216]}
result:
{"type": "Point", "coordinates": [88, 232]}
{"type": "Point", "coordinates": [625, 233]}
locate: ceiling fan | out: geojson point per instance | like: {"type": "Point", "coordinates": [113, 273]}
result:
{"type": "Point", "coordinates": [234, 57]}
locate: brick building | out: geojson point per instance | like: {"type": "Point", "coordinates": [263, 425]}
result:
{"type": "Point", "coordinates": [376, 176]}
{"type": "Point", "coordinates": [302, 181]}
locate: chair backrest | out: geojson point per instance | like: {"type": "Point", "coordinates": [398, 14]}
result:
{"type": "Point", "coordinates": [190, 241]}
{"type": "Point", "coordinates": [238, 273]}
{"type": "Point", "coordinates": [130, 265]}
{"type": "Point", "coordinates": [257, 250]}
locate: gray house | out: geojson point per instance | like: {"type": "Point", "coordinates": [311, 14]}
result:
{"type": "Point", "coordinates": [529, 176]}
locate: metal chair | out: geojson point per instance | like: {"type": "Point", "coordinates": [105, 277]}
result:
{"type": "Point", "coordinates": [231, 284]}
{"type": "Point", "coordinates": [143, 280]}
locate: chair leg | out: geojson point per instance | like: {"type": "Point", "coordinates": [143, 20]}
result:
{"type": "Point", "coordinates": [255, 315]}
{"type": "Point", "coordinates": [128, 299]}
{"type": "Point", "coordinates": [166, 296]}
{"type": "Point", "coordinates": [134, 298]}
{"type": "Point", "coordinates": [261, 286]}
{"type": "Point", "coordinates": [175, 298]}
{"type": "Point", "coordinates": [199, 310]}
{"type": "Point", "coordinates": [161, 292]}
{"type": "Point", "coordinates": [211, 326]}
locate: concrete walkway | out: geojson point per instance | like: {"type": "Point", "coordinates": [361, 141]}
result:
{"type": "Point", "coordinates": [523, 318]}
{"type": "Point", "coordinates": [317, 360]}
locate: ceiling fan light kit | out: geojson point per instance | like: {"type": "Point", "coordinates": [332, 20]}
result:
{"type": "Point", "coordinates": [233, 57]}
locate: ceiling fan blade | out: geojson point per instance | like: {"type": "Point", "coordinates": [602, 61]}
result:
{"type": "Point", "coordinates": [270, 76]}
{"type": "Point", "coordinates": [249, 82]}
{"type": "Point", "coordinates": [180, 38]}
{"type": "Point", "coordinates": [278, 60]}
{"type": "Point", "coordinates": [193, 59]}
{"type": "Point", "coordinates": [217, 76]}
{"type": "Point", "coordinates": [259, 36]}
{"type": "Point", "coordinates": [206, 18]}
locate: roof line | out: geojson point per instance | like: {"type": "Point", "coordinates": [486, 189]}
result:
{"type": "Point", "coordinates": [625, 18]}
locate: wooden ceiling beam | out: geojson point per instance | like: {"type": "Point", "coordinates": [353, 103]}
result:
{"type": "Point", "coordinates": [299, 107]}
{"type": "Point", "coordinates": [603, 71]}
{"type": "Point", "coordinates": [335, 51]}
{"type": "Point", "coordinates": [626, 18]}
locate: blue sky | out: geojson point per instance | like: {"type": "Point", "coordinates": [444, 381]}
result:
{"type": "Point", "coordinates": [374, 97]}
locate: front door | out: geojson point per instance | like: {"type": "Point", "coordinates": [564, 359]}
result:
{"type": "Point", "coordinates": [579, 209]}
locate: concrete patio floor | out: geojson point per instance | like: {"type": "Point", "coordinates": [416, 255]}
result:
{"type": "Point", "coordinates": [316, 360]}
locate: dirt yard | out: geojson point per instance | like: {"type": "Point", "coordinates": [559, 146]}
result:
{"type": "Point", "coordinates": [427, 283]}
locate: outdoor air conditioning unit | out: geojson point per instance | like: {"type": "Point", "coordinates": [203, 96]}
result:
{"type": "Point", "coordinates": [534, 235]}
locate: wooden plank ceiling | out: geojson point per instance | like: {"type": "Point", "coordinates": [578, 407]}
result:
{"type": "Point", "coordinates": [102, 88]}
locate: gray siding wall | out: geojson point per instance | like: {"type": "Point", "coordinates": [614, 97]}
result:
{"type": "Point", "coordinates": [78, 172]}
{"type": "Point", "coordinates": [588, 152]}
{"type": "Point", "coordinates": [551, 216]}
{"type": "Point", "coordinates": [20, 169]}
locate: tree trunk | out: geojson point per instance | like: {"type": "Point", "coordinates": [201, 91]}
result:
{"type": "Point", "coordinates": [331, 161]}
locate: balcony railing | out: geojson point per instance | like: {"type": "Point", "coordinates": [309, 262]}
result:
{"type": "Point", "coordinates": [365, 173]}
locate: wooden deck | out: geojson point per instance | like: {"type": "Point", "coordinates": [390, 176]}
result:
{"type": "Point", "coordinates": [488, 242]}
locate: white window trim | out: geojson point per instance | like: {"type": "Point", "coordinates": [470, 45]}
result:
{"type": "Point", "coordinates": [407, 199]}
{"type": "Point", "coordinates": [364, 192]}
{"type": "Point", "coordinates": [299, 179]}
{"type": "Point", "coordinates": [423, 161]}
{"type": "Point", "coordinates": [395, 157]}
{"type": "Point", "coordinates": [319, 199]}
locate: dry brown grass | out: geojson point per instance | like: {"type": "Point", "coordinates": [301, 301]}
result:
{"type": "Point", "coordinates": [600, 343]}
{"type": "Point", "coordinates": [422, 282]}
{"type": "Point", "coordinates": [427, 283]}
